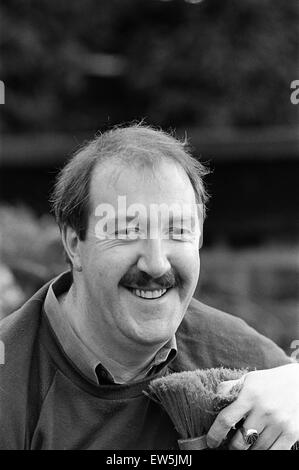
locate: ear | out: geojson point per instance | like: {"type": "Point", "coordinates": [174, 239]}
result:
{"type": "Point", "coordinates": [71, 245]}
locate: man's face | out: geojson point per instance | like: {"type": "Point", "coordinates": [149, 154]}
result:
{"type": "Point", "coordinates": [138, 288]}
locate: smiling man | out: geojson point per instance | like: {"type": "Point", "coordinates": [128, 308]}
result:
{"type": "Point", "coordinates": [80, 353]}
{"type": "Point", "coordinates": [132, 293]}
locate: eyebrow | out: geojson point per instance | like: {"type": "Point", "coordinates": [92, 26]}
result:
{"type": "Point", "coordinates": [172, 219]}
{"type": "Point", "coordinates": [179, 218]}
{"type": "Point", "coordinates": [127, 219]}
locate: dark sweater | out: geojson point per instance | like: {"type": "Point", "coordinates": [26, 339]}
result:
{"type": "Point", "coordinates": [47, 403]}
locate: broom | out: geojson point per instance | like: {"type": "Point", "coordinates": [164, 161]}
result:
{"type": "Point", "coordinates": [192, 401]}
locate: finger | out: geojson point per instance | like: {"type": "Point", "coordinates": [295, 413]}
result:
{"type": "Point", "coordinates": [267, 438]}
{"type": "Point", "coordinates": [226, 419]}
{"type": "Point", "coordinates": [224, 388]}
{"type": "Point", "coordinates": [284, 442]}
{"type": "Point", "coordinates": [251, 422]}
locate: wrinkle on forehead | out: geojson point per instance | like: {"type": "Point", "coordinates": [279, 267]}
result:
{"type": "Point", "coordinates": [145, 169]}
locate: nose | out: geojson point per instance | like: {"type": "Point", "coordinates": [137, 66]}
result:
{"type": "Point", "coordinates": [153, 259]}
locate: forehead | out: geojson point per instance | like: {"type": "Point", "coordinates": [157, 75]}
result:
{"type": "Point", "coordinates": [165, 182]}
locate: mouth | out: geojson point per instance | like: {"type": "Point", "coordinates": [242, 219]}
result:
{"type": "Point", "coordinates": [148, 294]}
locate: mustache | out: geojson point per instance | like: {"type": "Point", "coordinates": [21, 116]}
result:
{"type": "Point", "coordinates": [140, 279]}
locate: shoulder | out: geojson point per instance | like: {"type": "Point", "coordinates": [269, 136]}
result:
{"type": "Point", "coordinates": [19, 327]}
{"type": "Point", "coordinates": [208, 337]}
{"type": "Point", "coordinates": [18, 333]}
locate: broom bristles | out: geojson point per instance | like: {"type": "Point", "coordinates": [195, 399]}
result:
{"type": "Point", "coordinates": [191, 399]}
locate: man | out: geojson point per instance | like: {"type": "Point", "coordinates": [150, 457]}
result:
{"type": "Point", "coordinates": [80, 353]}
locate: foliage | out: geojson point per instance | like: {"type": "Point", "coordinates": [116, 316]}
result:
{"type": "Point", "coordinates": [259, 285]}
{"type": "Point", "coordinates": [30, 247]}
{"type": "Point", "coordinates": [218, 62]}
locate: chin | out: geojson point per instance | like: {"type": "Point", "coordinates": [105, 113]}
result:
{"type": "Point", "coordinates": [154, 337]}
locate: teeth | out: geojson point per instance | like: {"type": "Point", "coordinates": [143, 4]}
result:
{"type": "Point", "coordinates": [149, 294]}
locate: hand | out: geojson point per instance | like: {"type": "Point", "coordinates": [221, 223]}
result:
{"type": "Point", "coordinates": [269, 402]}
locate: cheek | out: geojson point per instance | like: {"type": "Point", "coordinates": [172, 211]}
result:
{"type": "Point", "coordinates": [96, 270]}
{"type": "Point", "coordinates": [188, 263]}
{"type": "Point", "coordinates": [105, 266]}
{"type": "Point", "coordinates": [193, 272]}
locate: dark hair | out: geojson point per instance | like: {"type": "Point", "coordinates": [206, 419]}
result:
{"type": "Point", "coordinates": [136, 144]}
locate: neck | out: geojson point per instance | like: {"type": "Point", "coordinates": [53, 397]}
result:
{"type": "Point", "coordinates": [124, 360]}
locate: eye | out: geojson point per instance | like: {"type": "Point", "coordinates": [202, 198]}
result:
{"type": "Point", "coordinates": [123, 233]}
{"type": "Point", "coordinates": [178, 230]}
{"type": "Point", "coordinates": [180, 233]}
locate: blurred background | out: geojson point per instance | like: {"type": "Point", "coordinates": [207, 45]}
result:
{"type": "Point", "coordinates": [217, 70]}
